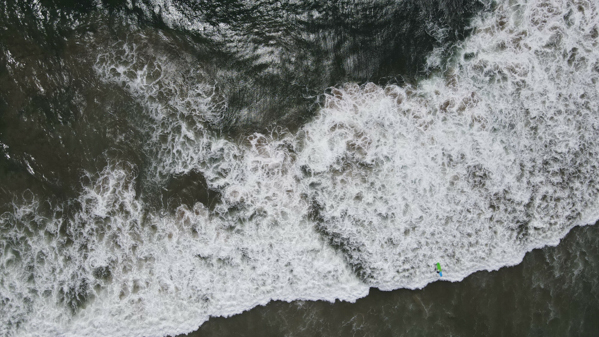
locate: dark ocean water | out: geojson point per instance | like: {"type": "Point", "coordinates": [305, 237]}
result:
{"type": "Point", "coordinates": [166, 164]}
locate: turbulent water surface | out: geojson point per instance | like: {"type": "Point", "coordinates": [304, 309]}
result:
{"type": "Point", "coordinates": [165, 161]}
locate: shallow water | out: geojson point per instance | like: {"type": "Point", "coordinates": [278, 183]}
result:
{"type": "Point", "coordinates": [167, 162]}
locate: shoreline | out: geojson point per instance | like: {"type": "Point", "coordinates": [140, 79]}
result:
{"type": "Point", "coordinates": [483, 303]}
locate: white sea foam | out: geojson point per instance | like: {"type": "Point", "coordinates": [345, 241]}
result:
{"type": "Point", "coordinates": [476, 166]}
{"type": "Point", "coordinates": [491, 157]}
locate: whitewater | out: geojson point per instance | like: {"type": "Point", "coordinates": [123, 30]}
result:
{"type": "Point", "coordinates": [493, 154]}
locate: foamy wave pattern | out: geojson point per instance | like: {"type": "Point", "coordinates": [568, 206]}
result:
{"type": "Point", "coordinates": [493, 156]}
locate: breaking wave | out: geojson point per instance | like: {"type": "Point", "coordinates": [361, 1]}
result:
{"type": "Point", "coordinates": [494, 154]}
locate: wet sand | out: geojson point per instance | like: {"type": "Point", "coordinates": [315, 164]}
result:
{"type": "Point", "coordinates": [553, 292]}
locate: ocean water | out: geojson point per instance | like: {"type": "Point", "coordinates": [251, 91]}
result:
{"type": "Point", "coordinates": [167, 162]}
